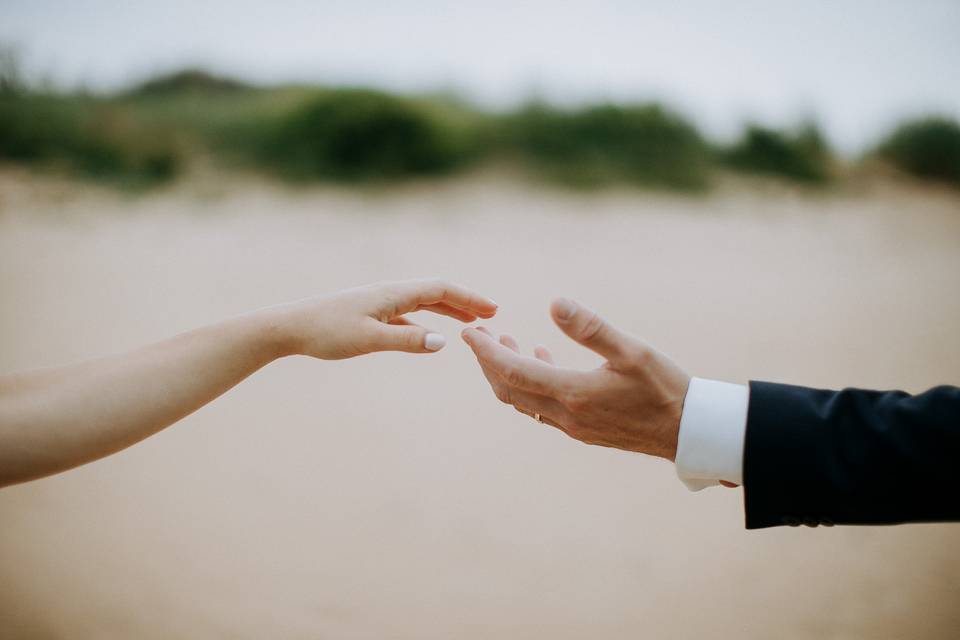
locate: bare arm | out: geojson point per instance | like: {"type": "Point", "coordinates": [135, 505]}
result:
{"type": "Point", "coordinates": [58, 418]}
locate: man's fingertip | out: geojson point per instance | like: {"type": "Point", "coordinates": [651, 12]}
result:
{"type": "Point", "coordinates": [563, 308]}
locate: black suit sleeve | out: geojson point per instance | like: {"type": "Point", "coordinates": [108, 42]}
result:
{"type": "Point", "coordinates": [850, 457]}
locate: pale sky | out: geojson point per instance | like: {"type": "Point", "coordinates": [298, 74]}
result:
{"type": "Point", "coordinates": [857, 66]}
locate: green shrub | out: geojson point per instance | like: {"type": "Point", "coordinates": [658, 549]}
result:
{"type": "Point", "coordinates": [140, 136]}
{"type": "Point", "coordinates": [801, 155]}
{"type": "Point", "coordinates": [927, 148]}
{"type": "Point", "coordinates": [84, 136]}
{"type": "Point", "coordinates": [354, 134]}
{"type": "Point", "coordinates": [188, 81]}
{"type": "Point", "coordinates": [11, 79]}
{"type": "Point", "coordinates": [641, 144]}
{"type": "Point", "coordinates": [30, 130]}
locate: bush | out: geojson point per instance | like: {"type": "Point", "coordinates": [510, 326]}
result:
{"type": "Point", "coordinates": [11, 80]}
{"type": "Point", "coordinates": [85, 136]}
{"type": "Point", "coordinates": [140, 136]}
{"type": "Point", "coordinates": [188, 81]}
{"type": "Point", "coordinates": [641, 144]}
{"type": "Point", "coordinates": [926, 148]}
{"type": "Point", "coordinates": [802, 155]}
{"type": "Point", "coordinates": [358, 134]}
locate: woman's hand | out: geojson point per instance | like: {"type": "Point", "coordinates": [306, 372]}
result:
{"type": "Point", "coordinates": [371, 318]}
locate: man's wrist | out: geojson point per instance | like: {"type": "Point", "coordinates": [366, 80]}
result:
{"type": "Point", "coordinates": [671, 437]}
{"type": "Point", "coordinates": [712, 432]}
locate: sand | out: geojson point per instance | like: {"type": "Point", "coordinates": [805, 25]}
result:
{"type": "Point", "coordinates": [392, 496]}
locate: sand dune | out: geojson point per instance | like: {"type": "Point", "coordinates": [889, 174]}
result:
{"type": "Point", "coordinates": [392, 496]}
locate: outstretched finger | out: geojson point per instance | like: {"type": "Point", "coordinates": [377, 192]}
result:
{"type": "Point", "coordinates": [519, 371]}
{"type": "Point", "coordinates": [592, 331]}
{"type": "Point", "coordinates": [541, 408]}
{"type": "Point", "coordinates": [418, 293]}
{"type": "Point", "coordinates": [445, 309]}
{"type": "Point", "coordinates": [542, 353]}
{"type": "Point", "coordinates": [510, 342]}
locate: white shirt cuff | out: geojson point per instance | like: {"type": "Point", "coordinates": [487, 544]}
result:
{"type": "Point", "coordinates": [713, 426]}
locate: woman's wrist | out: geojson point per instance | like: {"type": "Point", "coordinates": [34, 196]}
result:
{"type": "Point", "coordinates": [269, 334]}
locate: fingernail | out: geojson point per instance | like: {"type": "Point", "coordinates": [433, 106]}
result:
{"type": "Point", "coordinates": [434, 342]}
{"type": "Point", "coordinates": [565, 308]}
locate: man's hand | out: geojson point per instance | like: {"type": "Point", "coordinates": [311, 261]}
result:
{"type": "Point", "coordinates": [633, 401]}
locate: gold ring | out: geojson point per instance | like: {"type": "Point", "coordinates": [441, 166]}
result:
{"type": "Point", "coordinates": [538, 418]}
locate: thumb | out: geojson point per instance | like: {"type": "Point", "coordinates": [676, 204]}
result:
{"type": "Point", "coordinates": [590, 330]}
{"type": "Point", "coordinates": [409, 338]}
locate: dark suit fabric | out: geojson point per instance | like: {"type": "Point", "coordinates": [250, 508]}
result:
{"type": "Point", "coordinates": [815, 457]}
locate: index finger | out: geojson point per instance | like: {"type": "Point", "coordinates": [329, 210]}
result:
{"type": "Point", "coordinates": [415, 293]}
{"type": "Point", "coordinates": [519, 371]}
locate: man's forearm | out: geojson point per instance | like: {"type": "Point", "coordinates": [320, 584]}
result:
{"type": "Point", "coordinates": [817, 456]}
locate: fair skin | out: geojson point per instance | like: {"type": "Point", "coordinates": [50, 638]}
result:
{"type": "Point", "coordinates": [61, 417]}
{"type": "Point", "coordinates": [633, 401]}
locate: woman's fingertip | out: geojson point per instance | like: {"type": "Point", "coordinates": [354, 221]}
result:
{"type": "Point", "coordinates": [434, 342]}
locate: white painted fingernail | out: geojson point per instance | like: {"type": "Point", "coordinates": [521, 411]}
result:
{"type": "Point", "coordinates": [434, 342]}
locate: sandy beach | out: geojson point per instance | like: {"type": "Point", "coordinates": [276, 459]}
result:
{"type": "Point", "coordinates": [392, 496]}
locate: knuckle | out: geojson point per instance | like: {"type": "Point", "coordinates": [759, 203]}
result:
{"type": "Point", "coordinates": [642, 356]}
{"type": "Point", "coordinates": [434, 287]}
{"type": "Point", "coordinates": [413, 339]}
{"type": "Point", "coordinates": [592, 328]}
{"type": "Point", "coordinates": [575, 402]}
{"type": "Point", "coordinates": [512, 375]}
{"type": "Point", "coordinates": [390, 307]}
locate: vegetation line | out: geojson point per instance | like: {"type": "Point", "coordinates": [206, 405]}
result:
{"type": "Point", "coordinates": [146, 135]}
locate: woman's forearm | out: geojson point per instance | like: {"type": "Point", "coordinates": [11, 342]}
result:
{"type": "Point", "coordinates": [57, 418]}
